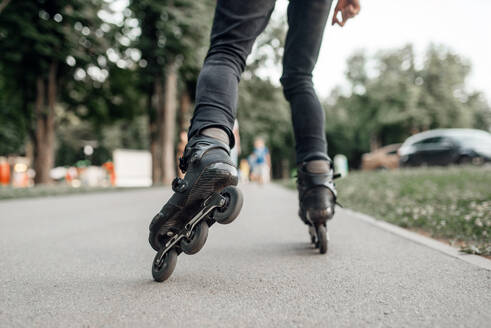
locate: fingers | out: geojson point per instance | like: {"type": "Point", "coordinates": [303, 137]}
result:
{"type": "Point", "coordinates": [356, 5]}
{"type": "Point", "coordinates": [351, 11]}
{"type": "Point", "coordinates": [335, 16]}
{"type": "Point", "coordinates": [347, 11]}
{"type": "Point", "coordinates": [344, 17]}
{"type": "Point", "coordinates": [341, 23]}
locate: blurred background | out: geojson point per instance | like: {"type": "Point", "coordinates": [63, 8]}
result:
{"type": "Point", "coordinates": [98, 93]}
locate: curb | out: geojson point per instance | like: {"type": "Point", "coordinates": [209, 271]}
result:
{"type": "Point", "coordinates": [479, 261]}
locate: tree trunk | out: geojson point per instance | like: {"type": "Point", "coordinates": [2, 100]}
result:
{"type": "Point", "coordinates": [184, 109]}
{"type": "Point", "coordinates": [39, 151]}
{"type": "Point", "coordinates": [156, 173]}
{"type": "Point", "coordinates": [169, 124]}
{"type": "Point", "coordinates": [3, 4]}
{"type": "Point", "coordinates": [159, 119]}
{"type": "Point", "coordinates": [154, 99]}
{"type": "Point", "coordinates": [45, 126]}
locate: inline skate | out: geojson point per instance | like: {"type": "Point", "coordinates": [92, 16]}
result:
{"type": "Point", "coordinates": [207, 194]}
{"type": "Point", "coordinates": [317, 198]}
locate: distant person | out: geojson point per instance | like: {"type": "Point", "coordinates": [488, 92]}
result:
{"type": "Point", "coordinates": [260, 161]}
{"type": "Point", "coordinates": [183, 140]}
{"type": "Point", "coordinates": [206, 159]}
{"type": "Point", "coordinates": [244, 170]}
{"type": "Point", "coordinates": [235, 151]}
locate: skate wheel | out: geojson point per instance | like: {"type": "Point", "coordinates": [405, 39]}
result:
{"type": "Point", "coordinates": [234, 200]}
{"type": "Point", "coordinates": [322, 238]}
{"type": "Point", "coordinates": [164, 270]}
{"type": "Point", "coordinates": [197, 239]}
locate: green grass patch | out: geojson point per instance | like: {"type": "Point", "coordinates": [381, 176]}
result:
{"type": "Point", "coordinates": [51, 190]}
{"type": "Point", "coordinates": [451, 203]}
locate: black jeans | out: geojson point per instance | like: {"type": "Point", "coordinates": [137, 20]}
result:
{"type": "Point", "coordinates": [236, 25]}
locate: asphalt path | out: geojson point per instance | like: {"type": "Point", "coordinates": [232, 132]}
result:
{"type": "Point", "coordinates": [84, 261]}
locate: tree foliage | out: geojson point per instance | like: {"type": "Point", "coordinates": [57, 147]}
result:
{"type": "Point", "coordinates": [12, 122]}
{"type": "Point", "coordinates": [391, 97]}
{"type": "Point", "coordinates": [262, 108]}
{"type": "Point", "coordinates": [118, 84]}
{"type": "Point", "coordinates": [171, 34]}
{"type": "Point", "coordinates": [43, 44]}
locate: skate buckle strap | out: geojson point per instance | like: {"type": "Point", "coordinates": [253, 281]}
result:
{"type": "Point", "coordinates": [179, 185]}
{"type": "Point", "coordinates": [334, 177]}
{"type": "Point", "coordinates": [319, 180]}
{"type": "Point", "coordinates": [197, 147]}
{"type": "Point", "coordinates": [182, 165]}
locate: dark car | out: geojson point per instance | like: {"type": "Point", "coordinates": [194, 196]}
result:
{"type": "Point", "coordinates": [445, 147]}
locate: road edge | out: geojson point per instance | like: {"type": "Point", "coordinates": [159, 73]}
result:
{"type": "Point", "coordinates": [422, 240]}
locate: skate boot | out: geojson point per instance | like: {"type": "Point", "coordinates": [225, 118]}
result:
{"type": "Point", "coordinates": [317, 196]}
{"type": "Point", "coordinates": [206, 195]}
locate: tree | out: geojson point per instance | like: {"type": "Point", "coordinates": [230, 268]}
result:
{"type": "Point", "coordinates": [261, 103]}
{"type": "Point", "coordinates": [171, 33]}
{"type": "Point", "coordinates": [397, 99]}
{"type": "Point", "coordinates": [42, 45]}
{"type": "Point", "coordinates": [446, 97]}
{"type": "Point", "coordinates": [3, 4]}
{"type": "Point", "coordinates": [13, 131]}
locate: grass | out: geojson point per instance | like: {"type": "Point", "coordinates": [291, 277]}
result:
{"type": "Point", "coordinates": [50, 190]}
{"type": "Point", "coordinates": [452, 203]}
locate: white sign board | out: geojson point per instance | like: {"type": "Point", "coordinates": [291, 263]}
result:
{"type": "Point", "coordinates": [133, 168]}
{"type": "Point", "coordinates": [341, 165]}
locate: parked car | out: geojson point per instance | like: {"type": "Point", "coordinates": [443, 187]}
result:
{"type": "Point", "coordinates": [446, 146]}
{"type": "Point", "coordinates": [382, 158]}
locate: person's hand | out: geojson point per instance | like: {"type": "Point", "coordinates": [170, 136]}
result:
{"type": "Point", "coordinates": [348, 9]}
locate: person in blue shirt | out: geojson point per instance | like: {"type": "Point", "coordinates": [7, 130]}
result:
{"type": "Point", "coordinates": [261, 161]}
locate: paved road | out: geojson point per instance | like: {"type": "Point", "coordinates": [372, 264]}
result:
{"type": "Point", "coordinates": [83, 260]}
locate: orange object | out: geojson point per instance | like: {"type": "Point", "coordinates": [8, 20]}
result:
{"type": "Point", "coordinates": [68, 177]}
{"type": "Point", "coordinates": [382, 158]}
{"type": "Point", "coordinates": [109, 166]}
{"type": "Point", "coordinates": [4, 173]}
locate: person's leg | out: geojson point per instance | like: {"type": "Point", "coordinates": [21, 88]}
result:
{"type": "Point", "coordinates": [317, 195]}
{"type": "Point", "coordinates": [306, 20]}
{"type": "Point", "coordinates": [206, 159]}
{"type": "Point", "coordinates": [235, 28]}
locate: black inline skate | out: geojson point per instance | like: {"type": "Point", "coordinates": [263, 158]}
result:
{"type": "Point", "coordinates": [317, 197]}
{"type": "Point", "coordinates": [206, 195]}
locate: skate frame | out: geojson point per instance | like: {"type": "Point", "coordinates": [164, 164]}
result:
{"type": "Point", "coordinates": [212, 202]}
